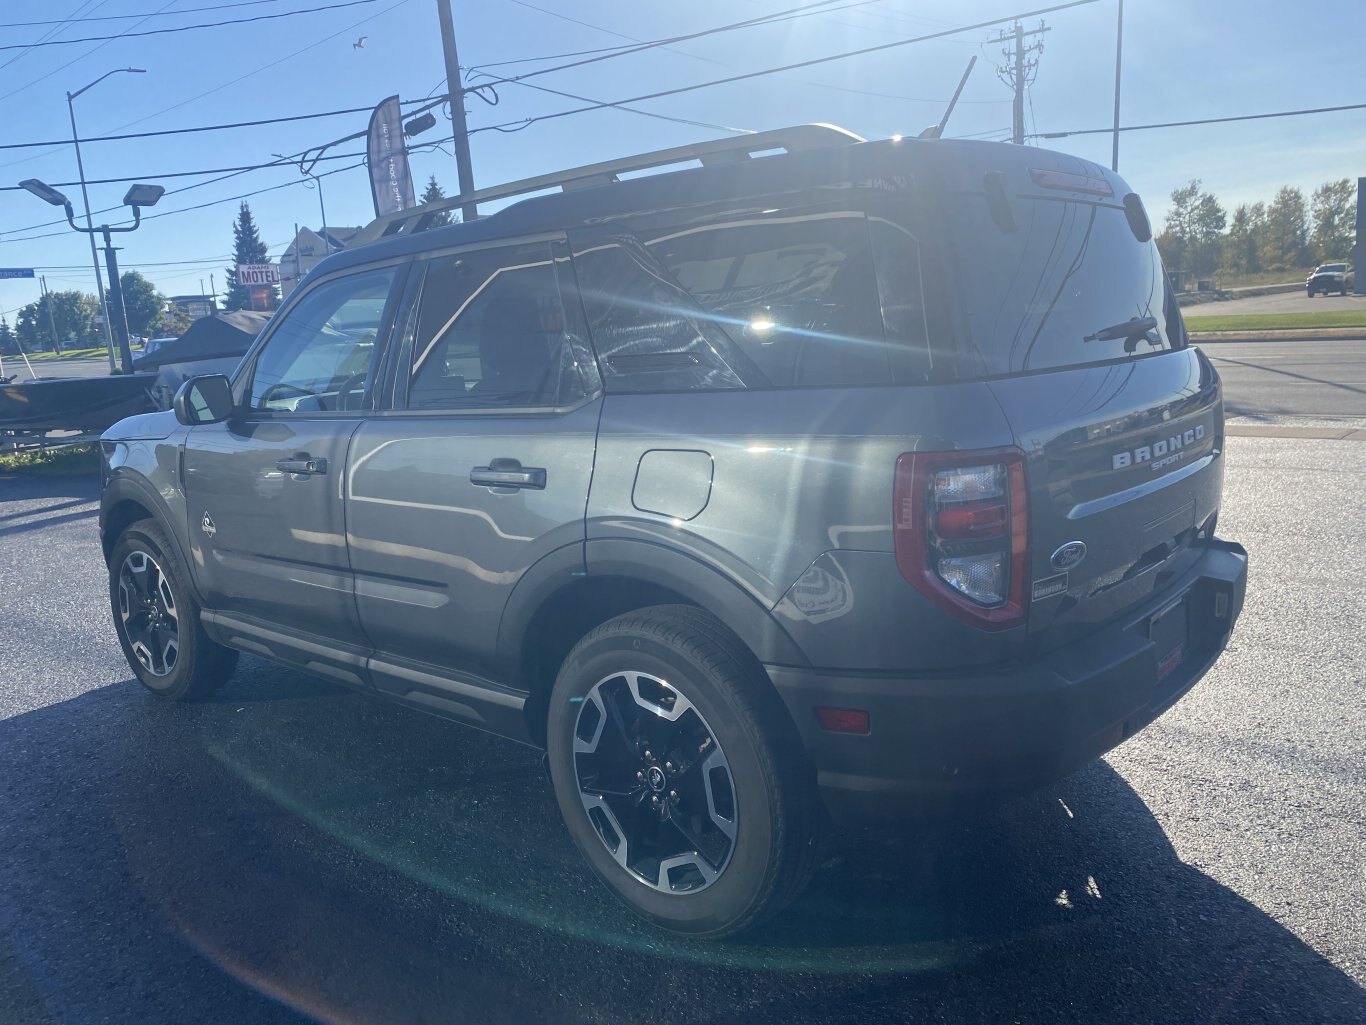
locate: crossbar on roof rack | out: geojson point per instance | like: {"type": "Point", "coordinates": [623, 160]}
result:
{"type": "Point", "coordinates": [716, 151]}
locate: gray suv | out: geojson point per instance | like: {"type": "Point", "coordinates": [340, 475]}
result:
{"type": "Point", "coordinates": [827, 479]}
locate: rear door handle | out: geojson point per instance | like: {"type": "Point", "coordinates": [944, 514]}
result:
{"type": "Point", "coordinates": [508, 473]}
{"type": "Point", "coordinates": [303, 464]}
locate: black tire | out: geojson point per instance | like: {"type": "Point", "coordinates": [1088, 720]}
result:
{"type": "Point", "coordinates": [157, 618]}
{"type": "Point", "coordinates": [775, 815]}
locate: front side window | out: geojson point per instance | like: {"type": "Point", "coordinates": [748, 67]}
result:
{"type": "Point", "coordinates": [320, 356]}
{"type": "Point", "coordinates": [491, 333]}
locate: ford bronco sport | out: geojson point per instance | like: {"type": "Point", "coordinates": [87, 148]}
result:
{"type": "Point", "coordinates": [828, 478]}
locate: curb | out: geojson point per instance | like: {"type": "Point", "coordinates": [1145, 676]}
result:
{"type": "Point", "coordinates": [1346, 334]}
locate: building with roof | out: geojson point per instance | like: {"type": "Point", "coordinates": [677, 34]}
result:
{"type": "Point", "coordinates": [307, 251]}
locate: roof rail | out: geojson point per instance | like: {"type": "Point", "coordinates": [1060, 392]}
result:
{"type": "Point", "coordinates": [716, 151]}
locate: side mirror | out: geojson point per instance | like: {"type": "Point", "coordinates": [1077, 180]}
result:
{"type": "Point", "coordinates": [203, 400]}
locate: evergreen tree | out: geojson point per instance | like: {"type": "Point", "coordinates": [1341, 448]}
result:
{"type": "Point", "coordinates": [1242, 245]}
{"type": "Point", "coordinates": [433, 193]}
{"type": "Point", "coordinates": [8, 345]}
{"type": "Point", "coordinates": [247, 247]}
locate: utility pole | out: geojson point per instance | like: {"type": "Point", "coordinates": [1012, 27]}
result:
{"type": "Point", "coordinates": [1022, 63]}
{"type": "Point", "coordinates": [456, 91]}
{"type": "Point", "coordinates": [51, 320]}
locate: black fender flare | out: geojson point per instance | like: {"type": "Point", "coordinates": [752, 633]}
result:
{"type": "Point", "coordinates": [126, 487]}
{"type": "Point", "coordinates": [647, 563]}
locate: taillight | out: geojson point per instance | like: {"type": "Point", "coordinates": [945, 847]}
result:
{"type": "Point", "coordinates": [961, 529]}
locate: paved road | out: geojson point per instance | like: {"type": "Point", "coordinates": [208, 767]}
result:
{"type": "Point", "coordinates": [1310, 377]}
{"type": "Point", "coordinates": [1281, 302]}
{"type": "Point", "coordinates": [290, 851]}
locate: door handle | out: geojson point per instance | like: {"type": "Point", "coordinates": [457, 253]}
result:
{"type": "Point", "coordinates": [302, 464]}
{"type": "Point", "coordinates": [508, 473]}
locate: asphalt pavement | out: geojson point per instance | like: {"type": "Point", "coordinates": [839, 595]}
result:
{"type": "Point", "coordinates": [1272, 378]}
{"type": "Point", "coordinates": [290, 851]}
{"type": "Point", "coordinates": [1279, 302]}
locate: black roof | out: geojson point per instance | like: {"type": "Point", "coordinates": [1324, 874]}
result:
{"type": "Point", "coordinates": [937, 163]}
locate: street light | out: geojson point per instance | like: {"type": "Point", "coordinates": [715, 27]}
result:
{"type": "Point", "coordinates": [138, 196]}
{"type": "Point", "coordinates": [90, 230]}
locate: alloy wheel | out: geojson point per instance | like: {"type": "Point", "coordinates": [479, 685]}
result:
{"type": "Point", "coordinates": [654, 782]}
{"type": "Point", "coordinates": [148, 614]}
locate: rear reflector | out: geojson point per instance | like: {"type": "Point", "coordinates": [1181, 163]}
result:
{"type": "Point", "coordinates": [843, 720]}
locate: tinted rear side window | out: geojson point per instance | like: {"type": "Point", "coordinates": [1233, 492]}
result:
{"type": "Point", "coordinates": [1069, 269]}
{"type": "Point", "coordinates": [781, 299]}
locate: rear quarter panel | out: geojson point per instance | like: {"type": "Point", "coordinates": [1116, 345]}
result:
{"type": "Point", "coordinates": [801, 490]}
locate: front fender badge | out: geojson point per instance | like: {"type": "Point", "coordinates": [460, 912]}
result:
{"type": "Point", "coordinates": [206, 525]}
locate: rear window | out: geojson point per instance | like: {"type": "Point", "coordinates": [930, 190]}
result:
{"type": "Point", "coordinates": [1069, 269]}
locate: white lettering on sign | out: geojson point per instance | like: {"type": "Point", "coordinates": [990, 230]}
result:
{"type": "Point", "coordinates": [258, 274]}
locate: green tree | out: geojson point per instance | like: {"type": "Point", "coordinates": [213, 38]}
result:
{"type": "Point", "coordinates": [1333, 208]}
{"type": "Point", "coordinates": [9, 345]}
{"type": "Point", "coordinates": [247, 247]}
{"type": "Point", "coordinates": [431, 195]}
{"type": "Point", "coordinates": [145, 306]}
{"type": "Point", "coordinates": [1193, 235]}
{"type": "Point", "coordinates": [1285, 243]}
{"type": "Point", "coordinates": [72, 312]}
{"type": "Point", "coordinates": [1242, 244]}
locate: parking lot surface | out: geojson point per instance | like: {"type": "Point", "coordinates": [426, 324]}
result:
{"type": "Point", "coordinates": [290, 851]}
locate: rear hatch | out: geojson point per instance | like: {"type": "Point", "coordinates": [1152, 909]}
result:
{"type": "Point", "coordinates": [1062, 293]}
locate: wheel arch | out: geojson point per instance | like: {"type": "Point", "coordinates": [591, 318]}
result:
{"type": "Point", "coordinates": [558, 602]}
{"type": "Point", "coordinates": [125, 501]}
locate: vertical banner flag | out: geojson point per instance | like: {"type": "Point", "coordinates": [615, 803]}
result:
{"type": "Point", "coordinates": [391, 183]}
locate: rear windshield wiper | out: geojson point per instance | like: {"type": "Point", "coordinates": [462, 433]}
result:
{"type": "Point", "coordinates": [1130, 330]}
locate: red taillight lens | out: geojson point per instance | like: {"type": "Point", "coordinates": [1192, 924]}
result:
{"type": "Point", "coordinates": [961, 529]}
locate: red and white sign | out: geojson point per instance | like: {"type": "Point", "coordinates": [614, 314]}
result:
{"type": "Point", "coordinates": [258, 274]}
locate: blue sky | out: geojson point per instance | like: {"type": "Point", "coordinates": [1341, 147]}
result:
{"type": "Point", "coordinates": [1183, 59]}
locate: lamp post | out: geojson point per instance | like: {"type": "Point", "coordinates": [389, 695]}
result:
{"type": "Point", "coordinates": [85, 199]}
{"type": "Point", "coordinates": [137, 197]}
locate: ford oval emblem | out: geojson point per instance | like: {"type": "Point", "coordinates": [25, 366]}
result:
{"type": "Point", "coordinates": [1069, 555]}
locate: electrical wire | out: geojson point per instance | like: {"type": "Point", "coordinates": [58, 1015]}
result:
{"type": "Point", "coordinates": [131, 17]}
{"type": "Point", "coordinates": [77, 59]}
{"type": "Point", "coordinates": [1204, 121]}
{"type": "Point", "coordinates": [194, 128]}
{"type": "Point", "coordinates": [786, 67]}
{"type": "Point", "coordinates": [175, 174]}
{"type": "Point", "coordinates": [637, 110]}
{"type": "Point", "coordinates": [57, 27]}
{"type": "Point", "coordinates": [187, 28]}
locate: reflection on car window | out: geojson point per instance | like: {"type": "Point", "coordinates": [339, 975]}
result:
{"type": "Point", "coordinates": [491, 332]}
{"type": "Point", "coordinates": [318, 359]}
{"type": "Point", "coordinates": [1070, 269]}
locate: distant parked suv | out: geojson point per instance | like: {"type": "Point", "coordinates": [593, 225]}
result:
{"type": "Point", "coordinates": [1331, 277]}
{"type": "Point", "coordinates": [849, 479]}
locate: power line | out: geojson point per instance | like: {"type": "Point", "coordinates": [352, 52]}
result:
{"type": "Point", "coordinates": [187, 28]}
{"type": "Point", "coordinates": [195, 128]}
{"type": "Point", "coordinates": [131, 17]}
{"type": "Point", "coordinates": [80, 57]}
{"type": "Point", "coordinates": [637, 110]}
{"type": "Point", "coordinates": [786, 67]}
{"type": "Point", "coordinates": [1203, 121]}
{"type": "Point", "coordinates": [804, 11]}
{"type": "Point", "coordinates": [57, 27]}
{"type": "Point", "coordinates": [176, 174]}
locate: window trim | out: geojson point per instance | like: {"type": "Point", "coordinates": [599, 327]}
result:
{"type": "Point", "coordinates": [407, 344]}
{"type": "Point", "coordinates": [244, 377]}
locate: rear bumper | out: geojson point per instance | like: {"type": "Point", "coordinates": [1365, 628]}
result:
{"type": "Point", "coordinates": [936, 741]}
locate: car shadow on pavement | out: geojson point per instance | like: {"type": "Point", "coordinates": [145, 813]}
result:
{"type": "Point", "coordinates": [289, 848]}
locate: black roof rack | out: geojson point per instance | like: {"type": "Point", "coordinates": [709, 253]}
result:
{"type": "Point", "coordinates": [717, 151]}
